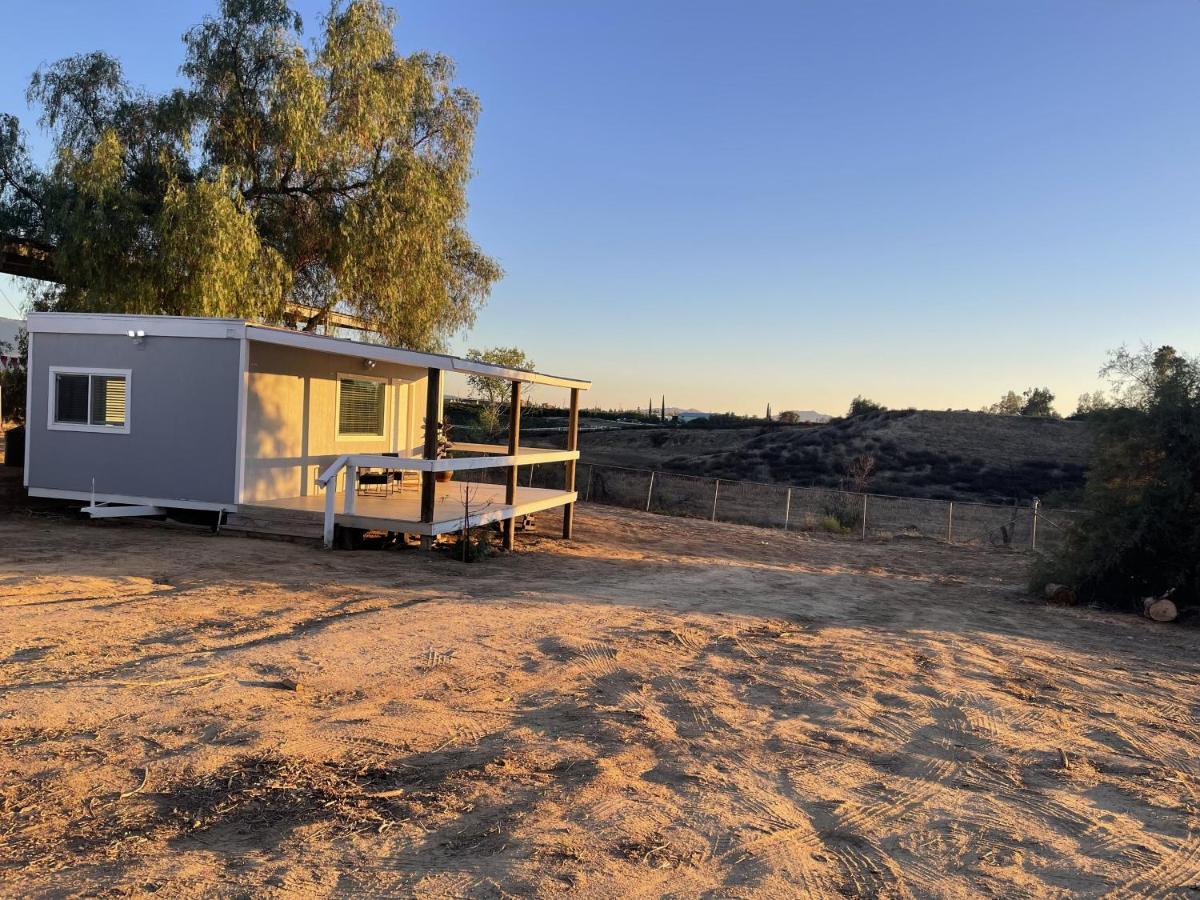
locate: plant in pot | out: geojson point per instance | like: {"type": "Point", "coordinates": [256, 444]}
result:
{"type": "Point", "coordinates": [444, 446]}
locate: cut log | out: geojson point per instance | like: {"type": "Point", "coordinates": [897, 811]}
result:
{"type": "Point", "coordinates": [1061, 594]}
{"type": "Point", "coordinates": [1160, 609]}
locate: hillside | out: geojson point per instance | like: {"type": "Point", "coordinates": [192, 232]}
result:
{"type": "Point", "coordinates": [950, 455]}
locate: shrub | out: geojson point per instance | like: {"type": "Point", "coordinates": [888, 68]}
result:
{"type": "Point", "coordinates": [832, 525]}
{"type": "Point", "coordinates": [1140, 534]}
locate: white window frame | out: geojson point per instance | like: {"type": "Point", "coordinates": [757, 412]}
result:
{"type": "Point", "coordinates": [337, 409]}
{"type": "Point", "coordinates": [52, 400]}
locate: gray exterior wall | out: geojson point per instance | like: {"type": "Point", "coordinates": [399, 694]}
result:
{"type": "Point", "coordinates": [183, 419]}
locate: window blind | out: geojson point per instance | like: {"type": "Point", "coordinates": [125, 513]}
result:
{"type": "Point", "coordinates": [361, 407]}
{"type": "Point", "coordinates": [108, 400]}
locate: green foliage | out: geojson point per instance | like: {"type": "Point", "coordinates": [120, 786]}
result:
{"type": "Point", "coordinates": [334, 177]}
{"type": "Point", "coordinates": [1141, 532]}
{"type": "Point", "coordinates": [1038, 402]}
{"type": "Point", "coordinates": [13, 380]}
{"type": "Point", "coordinates": [861, 406]}
{"type": "Point", "coordinates": [1089, 404]}
{"type": "Point", "coordinates": [831, 524]}
{"type": "Point", "coordinates": [496, 391]}
{"type": "Point", "coordinates": [1033, 402]}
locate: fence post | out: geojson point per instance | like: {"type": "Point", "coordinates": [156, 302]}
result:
{"type": "Point", "coordinates": [650, 492]}
{"type": "Point", "coordinates": [587, 496]}
{"type": "Point", "coordinates": [1033, 526]}
{"type": "Point", "coordinates": [950, 524]}
{"type": "Point", "coordinates": [716, 493]}
{"type": "Point", "coordinates": [787, 510]}
{"type": "Point", "coordinates": [864, 517]}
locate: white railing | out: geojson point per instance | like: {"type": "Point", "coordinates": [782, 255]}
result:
{"type": "Point", "coordinates": [352, 462]}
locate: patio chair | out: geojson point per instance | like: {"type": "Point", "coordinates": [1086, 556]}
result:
{"type": "Point", "coordinates": [380, 481]}
{"type": "Point", "coordinates": [403, 478]}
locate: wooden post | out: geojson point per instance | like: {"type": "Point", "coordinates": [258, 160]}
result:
{"type": "Point", "coordinates": [787, 510]}
{"type": "Point", "coordinates": [569, 482]}
{"type": "Point", "coordinates": [716, 494]}
{"type": "Point", "coordinates": [433, 415]}
{"type": "Point", "coordinates": [950, 524]}
{"type": "Point", "coordinates": [864, 529]}
{"type": "Point", "coordinates": [514, 445]}
{"type": "Point", "coordinates": [650, 492]}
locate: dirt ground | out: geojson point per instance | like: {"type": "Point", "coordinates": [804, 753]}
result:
{"type": "Point", "coordinates": [661, 707]}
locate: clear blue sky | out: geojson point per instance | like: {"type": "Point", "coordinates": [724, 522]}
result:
{"type": "Point", "coordinates": [740, 203]}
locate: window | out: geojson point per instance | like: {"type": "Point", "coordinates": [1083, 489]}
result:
{"type": "Point", "coordinates": [361, 407]}
{"type": "Point", "coordinates": [89, 400]}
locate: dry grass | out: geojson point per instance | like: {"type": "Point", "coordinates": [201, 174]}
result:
{"type": "Point", "coordinates": [660, 707]}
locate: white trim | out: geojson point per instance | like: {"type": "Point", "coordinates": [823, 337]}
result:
{"type": "Point", "coordinates": [321, 343]}
{"type": "Point", "coordinates": [447, 526]}
{"type": "Point", "coordinates": [52, 400]}
{"type": "Point", "coordinates": [122, 510]}
{"type": "Point", "coordinates": [56, 494]}
{"type": "Point", "coordinates": [243, 401]}
{"type": "Point", "coordinates": [353, 437]}
{"type": "Point", "coordinates": [196, 326]}
{"type": "Point", "coordinates": [116, 324]}
{"type": "Point", "coordinates": [28, 408]}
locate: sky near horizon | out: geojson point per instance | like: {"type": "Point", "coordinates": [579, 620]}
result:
{"type": "Point", "coordinates": [735, 204]}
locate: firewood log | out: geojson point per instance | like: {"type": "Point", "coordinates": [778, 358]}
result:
{"type": "Point", "coordinates": [1061, 594]}
{"type": "Point", "coordinates": [1160, 609]}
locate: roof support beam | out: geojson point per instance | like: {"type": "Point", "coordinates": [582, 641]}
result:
{"type": "Point", "coordinates": [433, 421]}
{"type": "Point", "coordinates": [572, 444]}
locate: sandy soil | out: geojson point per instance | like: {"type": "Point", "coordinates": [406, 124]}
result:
{"type": "Point", "coordinates": [661, 707]}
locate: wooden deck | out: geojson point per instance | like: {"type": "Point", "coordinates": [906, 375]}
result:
{"type": "Point", "coordinates": [302, 517]}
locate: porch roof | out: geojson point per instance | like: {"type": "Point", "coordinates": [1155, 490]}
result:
{"type": "Point", "coordinates": [196, 326]}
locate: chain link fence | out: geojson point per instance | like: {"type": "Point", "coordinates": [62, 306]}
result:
{"type": "Point", "coordinates": [846, 513]}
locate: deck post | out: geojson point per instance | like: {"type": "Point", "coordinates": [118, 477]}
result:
{"type": "Point", "coordinates": [330, 498]}
{"type": "Point", "coordinates": [514, 444]}
{"type": "Point", "coordinates": [572, 444]}
{"type": "Point", "coordinates": [433, 416]}
{"type": "Point", "coordinates": [351, 489]}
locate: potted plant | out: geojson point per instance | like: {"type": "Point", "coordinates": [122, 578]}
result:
{"type": "Point", "coordinates": [444, 446]}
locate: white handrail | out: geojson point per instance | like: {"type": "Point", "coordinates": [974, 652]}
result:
{"type": "Point", "coordinates": [375, 461]}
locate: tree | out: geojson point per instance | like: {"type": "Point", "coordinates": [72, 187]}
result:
{"type": "Point", "coordinates": [493, 391]}
{"type": "Point", "coordinates": [861, 406]}
{"type": "Point", "coordinates": [1038, 402]}
{"type": "Point", "coordinates": [1008, 405]}
{"type": "Point", "coordinates": [1033, 402]}
{"type": "Point", "coordinates": [13, 378]}
{"type": "Point", "coordinates": [334, 178]}
{"type": "Point", "coordinates": [1092, 403]}
{"type": "Point", "coordinates": [1140, 532]}
{"type": "Point", "coordinates": [789, 417]}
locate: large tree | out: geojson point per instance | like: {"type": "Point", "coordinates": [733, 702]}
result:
{"type": "Point", "coordinates": [333, 178]}
{"type": "Point", "coordinates": [1140, 533]}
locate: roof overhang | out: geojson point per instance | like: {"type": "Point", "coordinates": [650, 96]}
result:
{"type": "Point", "coordinates": [197, 327]}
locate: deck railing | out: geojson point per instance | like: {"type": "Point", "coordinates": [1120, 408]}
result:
{"type": "Point", "coordinates": [352, 462]}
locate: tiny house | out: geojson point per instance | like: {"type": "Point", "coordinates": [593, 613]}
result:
{"type": "Point", "coordinates": [138, 415]}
